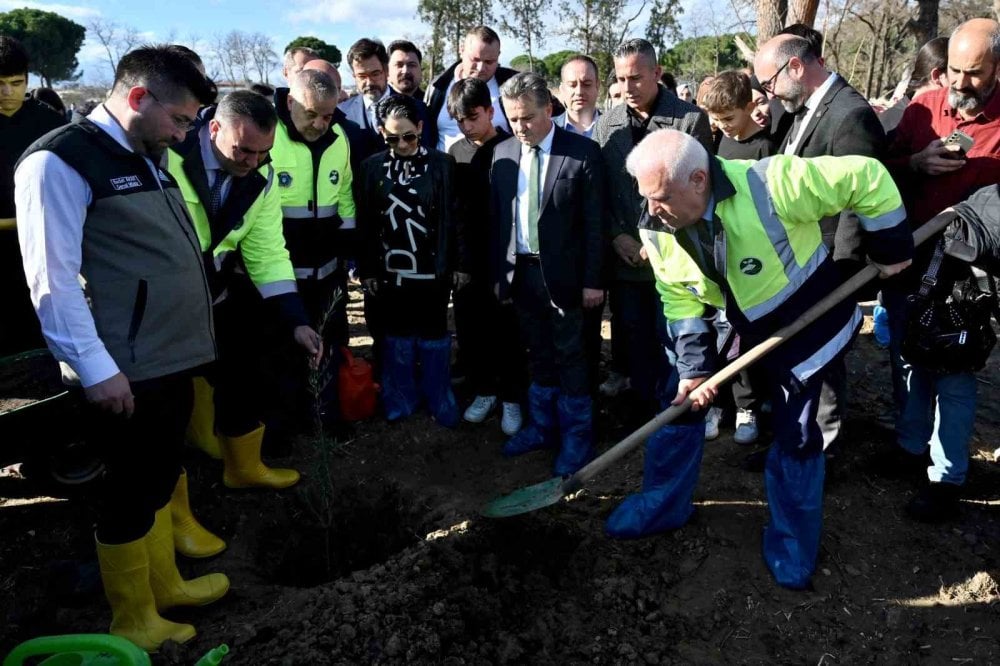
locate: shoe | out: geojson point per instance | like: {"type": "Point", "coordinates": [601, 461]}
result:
{"type": "Point", "coordinates": [511, 421]}
{"type": "Point", "coordinates": [936, 503]}
{"type": "Point", "coordinates": [201, 426]}
{"type": "Point", "coordinates": [400, 397]}
{"type": "Point", "coordinates": [169, 589]}
{"type": "Point", "coordinates": [614, 384]}
{"type": "Point", "coordinates": [542, 429]}
{"type": "Point", "coordinates": [125, 574]}
{"type": "Point", "coordinates": [480, 408]}
{"type": "Point", "coordinates": [577, 433]}
{"type": "Point", "coordinates": [243, 468]}
{"type": "Point", "coordinates": [435, 382]}
{"type": "Point", "coordinates": [712, 423]}
{"type": "Point", "coordinates": [746, 427]}
{"type": "Point", "coordinates": [191, 539]}
{"type": "Point", "coordinates": [670, 474]}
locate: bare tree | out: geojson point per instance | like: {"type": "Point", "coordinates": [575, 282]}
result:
{"type": "Point", "coordinates": [263, 55]}
{"type": "Point", "coordinates": [526, 19]}
{"type": "Point", "coordinates": [234, 51]}
{"type": "Point", "coordinates": [116, 39]}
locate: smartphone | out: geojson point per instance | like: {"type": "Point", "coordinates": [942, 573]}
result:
{"type": "Point", "coordinates": [959, 143]}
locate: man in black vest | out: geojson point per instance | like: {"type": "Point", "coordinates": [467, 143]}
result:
{"type": "Point", "coordinates": [94, 208]}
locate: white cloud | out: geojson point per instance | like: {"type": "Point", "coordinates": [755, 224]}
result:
{"type": "Point", "coordinates": [351, 11]}
{"type": "Point", "coordinates": [76, 12]}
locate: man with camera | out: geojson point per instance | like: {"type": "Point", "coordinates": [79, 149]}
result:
{"type": "Point", "coordinates": [946, 146]}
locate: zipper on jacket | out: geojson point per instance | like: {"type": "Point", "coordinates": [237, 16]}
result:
{"type": "Point", "coordinates": [138, 311]}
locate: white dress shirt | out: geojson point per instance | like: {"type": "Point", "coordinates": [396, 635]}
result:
{"type": "Point", "coordinates": [213, 168]}
{"type": "Point", "coordinates": [521, 216]}
{"type": "Point", "coordinates": [370, 107]}
{"type": "Point", "coordinates": [448, 131]}
{"type": "Point", "coordinates": [52, 200]}
{"type": "Point", "coordinates": [810, 105]}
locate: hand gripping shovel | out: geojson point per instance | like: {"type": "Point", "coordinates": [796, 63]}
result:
{"type": "Point", "coordinates": [549, 492]}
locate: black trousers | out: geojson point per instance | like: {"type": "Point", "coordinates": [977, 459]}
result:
{"type": "Point", "coordinates": [19, 328]}
{"type": "Point", "coordinates": [238, 375]}
{"type": "Point", "coordinates": [557, 352]}
{"type": "Point", "coordinates": [490, 343]}
{"type": "Point", "coordinates": [638, 316]}
{"type": "Point", "coordinates": [142, 455]}
{"type": "Point", "coordinates": [414, 308]}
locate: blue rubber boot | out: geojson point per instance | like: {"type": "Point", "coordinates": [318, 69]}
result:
{"type": "Point", "coordinates": [669, 477]}
{"type": "Point", "coordinates": [795, 498]}
{"type": "Point", "coordinates": [435, 380]}
{"type": "Point", "coordinates": [576, 428]}
{"type": "Point", "coordinates": [542, 429]}
{"type": "Point", "coordinates": [399, 384]}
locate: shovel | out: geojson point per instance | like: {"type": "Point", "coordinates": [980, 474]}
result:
{"type": "Point", "coordinates": [549, 492]}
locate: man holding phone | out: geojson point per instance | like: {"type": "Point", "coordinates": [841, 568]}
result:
{"type": "Point", "coordinates": [946, 147]}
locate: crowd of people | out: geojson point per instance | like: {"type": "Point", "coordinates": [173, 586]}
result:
{"type": "Point", "coordinates": [170, 244]}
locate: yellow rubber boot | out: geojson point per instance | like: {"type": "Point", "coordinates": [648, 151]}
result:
{"type": "Point", "coordinates": [244, 468]}
{"type": "Point", "coordinates": [201, 427]}
{"type": "Point", "coordinates": [125, 573]}
{"type": "Point", "coordinates": [191, 539]}
{"type": "Point", "coordinates": [169, 589]}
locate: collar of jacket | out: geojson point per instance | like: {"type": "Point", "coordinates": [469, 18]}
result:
{"type": "Point", "coordinates": [445, 78]}
{"type": "Point", "coordinates": [285, 118]}
{"type": "Point", "coordinates": [192, 142]}
{"type": "Point", "coordinates": [722, 189]}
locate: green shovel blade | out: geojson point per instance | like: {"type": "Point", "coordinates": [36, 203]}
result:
{"type": "Point", "coordinates": [526, 500]}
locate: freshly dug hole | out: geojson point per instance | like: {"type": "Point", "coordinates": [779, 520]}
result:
{"type": "Point", "coordinates": [367, 525]}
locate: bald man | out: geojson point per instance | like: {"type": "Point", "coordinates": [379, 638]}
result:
{"type": "Point", "coordinates": [830, 118]}
{"type": "Point", "coordinates": [744, 237]}
{"type": "Point", "coordinates": [933, 176]}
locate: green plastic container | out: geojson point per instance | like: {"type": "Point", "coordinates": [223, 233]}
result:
{"type": "Point", "coordinates": [79, 650]}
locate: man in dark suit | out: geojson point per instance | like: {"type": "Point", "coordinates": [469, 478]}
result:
{"type": "Point", "coordinates": [369, 62]}
{"type": "Point", "coordinates": [546, 245]}
{"type": "Point", "coordinates": [830, 118]}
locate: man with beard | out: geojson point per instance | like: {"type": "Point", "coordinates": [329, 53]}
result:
{"type": "Point", "coordinates": [405, 74]}
{"type": "Point", "coordinates": [94, 209]}
{"type": "Point", "coordinates": [830, 118]}
{"type": "Point", "coordinates": [369, 63]}
{"type": "Point", "coordinates": [932, 178]}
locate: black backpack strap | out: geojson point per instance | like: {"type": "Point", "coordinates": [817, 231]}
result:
{"type": "Point", "coordinates": [930, 279]}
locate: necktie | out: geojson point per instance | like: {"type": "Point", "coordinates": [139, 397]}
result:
{"type": "Point", "coordinates": [533, 172]}
{"type": "Point", "coordinates": [793, 132]}
{"type": "Point", "coordinates": [215, 194]}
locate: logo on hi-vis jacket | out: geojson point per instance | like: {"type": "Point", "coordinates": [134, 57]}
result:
{"type": "Point", "coordinates": [284, 179]}
{"type": "Point", "coordinates": [751, 266]}
{"type": "Point", "coordinates": [334, 177]}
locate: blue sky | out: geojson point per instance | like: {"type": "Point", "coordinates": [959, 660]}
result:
{"type": "Point", "coordinates": [336, 21]}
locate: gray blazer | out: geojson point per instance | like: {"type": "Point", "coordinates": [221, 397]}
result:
{"type": "Point", "coordinates": [614, 135]}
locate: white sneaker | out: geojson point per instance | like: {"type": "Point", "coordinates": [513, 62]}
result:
{"type": "Point", "coordinates": [712, 423]}
{"type": "Point", "coordinates": [614, 384]}
{"type": "Point", "coordinates": [511, 421]}
{"type": "Point", "coordinates": [746, 427]}
{"type": "Point", "coordinates": [480, 408]}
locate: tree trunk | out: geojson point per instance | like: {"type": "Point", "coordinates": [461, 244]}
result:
{"type": "Point", "coordinates": [996, 8]}
{"type": "Point", "coordinates": [802, 11]}
{"type": "Point", "coordinates": [770, 19]}
{"type": "Point", "coordinates": [925, 25]}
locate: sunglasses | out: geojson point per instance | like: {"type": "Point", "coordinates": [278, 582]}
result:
{"type": "Point", "coordinates": [768, 85]}
{"type": "Point", "coordinates": [393, 140]}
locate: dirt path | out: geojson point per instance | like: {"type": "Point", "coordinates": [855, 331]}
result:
{"type": "Point", "coordinates": [408, 572]}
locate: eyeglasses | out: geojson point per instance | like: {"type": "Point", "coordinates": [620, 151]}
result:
{"type": "Point", "coordinates": [768, 85]}
{"type": "Point", "coordinates": [180, 122]}
{"type": "Point", "coordinates": [393, 140]}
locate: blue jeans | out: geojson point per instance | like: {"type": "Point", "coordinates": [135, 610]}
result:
{"type": "Point", "coordinates": [941, 412]}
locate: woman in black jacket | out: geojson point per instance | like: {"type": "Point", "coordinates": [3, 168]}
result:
{"type": "Point", "coordinates": [407, 260]}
